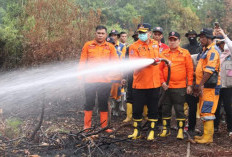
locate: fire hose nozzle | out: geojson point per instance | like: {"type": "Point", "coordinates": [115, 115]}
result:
{"type": "Point", "coordinates": [157, 60]}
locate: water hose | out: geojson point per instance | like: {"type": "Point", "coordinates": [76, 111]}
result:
{"type": "Point", "coordinates": [162, 91]}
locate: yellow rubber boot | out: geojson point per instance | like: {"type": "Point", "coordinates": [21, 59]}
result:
{"type": "Point", "coordinates": [186, 108]}
{"type": "Point", "coordinates": [128, 113]}
{"type": "Point", "coordinates": [166, 128]}
{"type": "Point", "coordinates": [199, 137]}
{"type": "Point", "coordinates": [145, 112]}
{"type": "Point", "coordinates": [208, 133]}
{"type": "Point", "coordinates": [137, 128]}
{"type": "Point", "coordinates": [151, 133]}
{"type": "Point", "coordinates": [180, 134]}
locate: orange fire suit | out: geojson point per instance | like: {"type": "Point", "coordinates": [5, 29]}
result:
{"type": "Point", "coordinates": [93, 54]}
{"type": "Point", "coordinates": [181, 76]}
{"type": "Point", "coordinates": [147, 77]}
{"type": "Point", "coordinates": [209, 61]}
{"type": "Point", "coordinates": [181, 68]}
{"type": "Point", "coordinates": [146, 81]}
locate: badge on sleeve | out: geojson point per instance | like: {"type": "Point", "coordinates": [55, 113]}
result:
{"type": "Point", "coordinates": [132, 52]}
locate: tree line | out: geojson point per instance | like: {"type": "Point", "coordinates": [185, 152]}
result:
{"type": "Point", "coordinates": [38, 31]}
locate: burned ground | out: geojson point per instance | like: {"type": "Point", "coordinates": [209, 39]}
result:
{"type": "Point", "coordinates": [61, 135]}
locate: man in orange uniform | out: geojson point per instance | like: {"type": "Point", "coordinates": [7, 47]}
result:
{"type": "Point", "coordinates": [158, 36]}
{"type": "Point", "coordinates": [146, 81]}
{"type": "Point", "coordinates": [208, 64]}
{"type": "Point", "coordinates": [93, 53]}
{"type": "Point", "coordinates": [181, 71]}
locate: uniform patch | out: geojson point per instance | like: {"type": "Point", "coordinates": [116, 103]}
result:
{"type": "Point", "coordinates": [166, 54]}
{"type": "Point", "coordinates": [131, 52]}
{"type": "Point", "coordinates": [92, 46]}
{"type": "Point", "coordinates": [154, 46]}
{"type": "Point", "coordinates": [212, 56]}
{"type": "Point", "coordinates": [180, 54]}
{"type": "Point", "coordinates": [207, 107]}
{"type": "Point", "coordinates": [107, 47]}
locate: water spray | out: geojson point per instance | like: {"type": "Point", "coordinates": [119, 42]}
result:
{"type": "Point", "coordinates": [28, 87]}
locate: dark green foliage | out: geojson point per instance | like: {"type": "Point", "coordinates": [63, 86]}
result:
{"type": "Point", "coordinates": [178, 15]}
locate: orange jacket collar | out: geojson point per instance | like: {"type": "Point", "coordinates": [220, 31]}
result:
{"type": "Point", "coordinates": [208, 47]}
{"type": "Point", "coordinates": [178, 49]}
{"type": "Point", "coordinates": [96, 43]}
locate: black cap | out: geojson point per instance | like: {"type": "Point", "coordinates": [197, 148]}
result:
{"type": "Point", "coordinates": [158, 29]}
{"type": "Point", "coordinates": [208, 32]}
{"type": "Point", "coordinates": [144, 27]}
{"type": "Point", "coordinates": [191, 31]}
{"type": "Point", "coordinates": [135, 33]}
{"type": "Point", "coordinates": [174, 35]}
{"type": "Point", "coordinates": [114, 32]}
{"type": "Point", "coordinates": [110, 40]}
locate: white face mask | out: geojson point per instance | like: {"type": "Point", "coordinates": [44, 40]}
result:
{"type": "Point", "coordinates": [143, 36]}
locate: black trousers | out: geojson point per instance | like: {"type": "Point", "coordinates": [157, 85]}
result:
{"type": "Point", "coordinates": [103, 92]}
{"type": "Point", "coordinates": [175, 97]}
{"type": "Point", "coordinates": [149, 97]}
{"type": "Point", "coordinates": [226, 99]}
{"type": "Point", "coordinates": [192, 103]}
{"type": "Point", "coordinates": [129, 89]}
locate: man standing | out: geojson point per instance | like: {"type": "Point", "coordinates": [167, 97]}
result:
{"type": "Point", "coordinates": [96, 52]}
{"type": "Point", "coordinates": [121, 48]}
{"type": "Point", "coordinates": [207, 84]}
{"type": "Point", "coordinates": [129, 95]}
{"type": "Point", "coordinates": [158, 36]}
{"type": "Point", "coordinates": [146, 81]}
{"type": "Point", "coordinates": [115, 93]}
{"type": "Point", "coordinates": [181, 76]}
{"type": "Point", "coordinates": [225, 44]}
{"type": "Point", "coordinates": [193, 47]}
{"type": "Point", "coordinates": [123, 38]}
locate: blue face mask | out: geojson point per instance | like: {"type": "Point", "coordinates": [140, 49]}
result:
{"type": "Point", "coordinates": [143, 36]}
